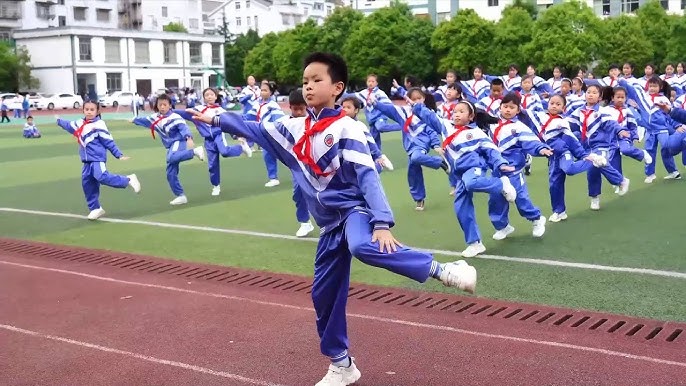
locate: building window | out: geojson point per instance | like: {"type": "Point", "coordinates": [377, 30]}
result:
{"type": "Point", "coordinates": [683, 4]}
{"type": "Point", "coordinates": [318, 6]}
{"type": "Point", "coordinates": [217, 54]}
{"type": "Point", "coordinates": [629, 6]}
{"type": "Point", "coordinates": [142, 49]}
{"type": "Point", "coordinates": [256, 19]}
{"type": "Point", "coordinates": [170, 52]}
{"type": "Point", "coordinates": [665, 4]}
{"type": "Point", "coordinates": [238, 5]}
{"type": "Point", "coordinates": [80, 13]}
{"type": "Point", "coordinates": [43, 11]}
{"type": "Point", "coordinates": [306, 11]}
{"type": "Point", "coordinates": [112, 51]}
{"type": "Point", "coordinates": [60, 2]}
{"type": "Point", "coordinates": [113, 81]}
{"type": "Point", "coordinates": [492, 3]}
{"type": "Point", "coordinates": [247, 4]}
{"type": "Point", "coordinates": [606, 7]}
{"type": "Point", "coordinates": [284, 19]}
{"type": "Point", "coordinates": [164, 11]}
{"type": "Point", "coordinates": [329, 10]}
{"type": "Point", "coordinates": [248, 20]}
{"type": "Point", "coordinates": [238, 22]}
{"type": "Point", "coordinates": [102, 14]}
{"type": "Point", "coordinates": [195, 53]}
{"type": "Point", "coordinates": [193, 23]}
{"type": "Point", "coordinates": [5, 35]}
{"type": "Point", "coordinates": [62, 21]}
{"type": "Point", "coordinates": [85, 49]}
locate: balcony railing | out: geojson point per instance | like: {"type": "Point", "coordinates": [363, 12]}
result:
{"type": "Point", "coordinates": [10, 11]}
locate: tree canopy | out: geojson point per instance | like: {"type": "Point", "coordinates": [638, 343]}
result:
{"type": "Point", "coordinates": [15, 69]}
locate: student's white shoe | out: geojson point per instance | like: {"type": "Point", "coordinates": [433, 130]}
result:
{"type": "Point", "coordinates": [460, 275]}
{"type": "Point", "coordinates": [419, 205]}
{"type": "Point", "coordinates": [134, 183]}
{"type": "Point", "coordinates": [539, 227]}
{"type": "Point", "coordinates": [179, 200]}
{"type": "Point", "coordinates": [200, 153]}
{"type": "Point", "coordinates": [624, 187]}
{"type": "Point", "coordinates": [509, 190]}
{"type": "Point", "coordinates": [305, 229]}
{"type": "Point", "coordinates": [216, 190]}
{"type": "Point", "coordinates": [673, 176]}
{"type": "Point", "coordinates": [473, 249]}
{"type": "Point", "coordinates": [595, 203]}
{"type": "Point", "coordinates": [647, 159]}
{"type": "Point", "coordinates": [272, 183]}
{"type": "Point", "coordinates": [649, 179]}
{"type": "Point", "coordinates": [386, 162]}
{"type": "Point", "coordinates": [598, 160]}
{"type": "Point", "coordinates": [616, 189]}
{"type": "Point", "coordinates": [503, 233]}
{"type": "Point", "coordinates": [96, 214]}
{"type": "Point", "coordinates": [341, 376]}
{"type": "Point", "coordinates": [244, 146]}
{"type": "Point", "coordinates": [557, 217]}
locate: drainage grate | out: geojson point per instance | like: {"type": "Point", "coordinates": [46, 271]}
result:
{"type": "Point", "coordinates": [634, 328]}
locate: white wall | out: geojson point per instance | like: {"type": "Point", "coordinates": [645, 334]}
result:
{"type": "Point", "coordinates": [55, 80]}
{"type": "Point", "coordinates": [49, 51]}
{"type": "Point", "coordinates": [178, 11]}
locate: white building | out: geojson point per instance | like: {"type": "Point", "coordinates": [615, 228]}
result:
{"type": "Point", "coordinates": [92, 62]}
{"type": "Point", "coordinates": [263, 16]}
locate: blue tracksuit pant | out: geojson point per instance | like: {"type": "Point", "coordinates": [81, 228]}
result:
{"type": "Point", "coordinates": [610, 172]}
{"type": "Point", "coordinates": [382, 126]}
{"type": "Point", "coordinates": [559, 167]}
{"type": "Point", "coordinates": [676, 143]}
{"type": "Point", "coordinates": [270, 163]}
{"type": "Point", "coordinates": [652, 140]}
{"type": "Point", "coordinates": [94, 174]}
{"type": "Point", "coordinates": [415, 175]}
{"type": "Point", "coordinates": [473, 180]}
{"type": "Point", "coordinates": [627, 148]}
{"type": "Point", "coordinates": [214, 147]}
{"type": "Point", "coordinates": [176, 154]}
{"type": "Point", "coordinates": [498, 207]}
{"type": "Point", "coordinates": [301, 211]}
{"type": "Point", "coordinates": [332, 275]}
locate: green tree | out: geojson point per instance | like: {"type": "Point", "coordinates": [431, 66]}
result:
{"type": "Point", "coordinates": [511, 32]}
{"type": "Point", "coordinates": [567, 34]}
{"type": "Point", "coordinates": [260, 60]}
{"type": "Point", "coordinates": [337, 27]}
{"type": "Point", "coordinates": [676, 44]}
{"type": "Point", "coordinates": [390, 42]}
{"type": "Point", "coordinates": [175, 27]}
{"type": "Point", "coordinates": [625, 41]}
{"type": "Point", "coordinates": [464, 42]}
{"type": "Point", "coordinates": [529, 6]}
{"type": "Point", "coordinates": [657, 26]}
{"type": "Point", "coordinates": [292, 48]}
{"type": "Point", "coordinates": [235, 54]}
{"type": "Point", "coordinates": [15, 69]}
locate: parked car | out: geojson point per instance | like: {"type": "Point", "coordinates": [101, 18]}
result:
{"type": "Point", "coordinates": [123, 98]}
{"type": "Point", "coordinates": [14, 101]}
{"type": "Point", "coordinates": [59, 101]}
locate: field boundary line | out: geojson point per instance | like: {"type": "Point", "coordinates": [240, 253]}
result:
{"type": "Point", "coordinates": [524, 260]}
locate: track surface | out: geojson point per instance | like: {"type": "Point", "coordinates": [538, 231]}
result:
{"type": "Point", "coordinates": [69, 323]}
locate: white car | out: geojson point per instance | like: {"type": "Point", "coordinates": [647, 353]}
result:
{"type": "Point", "coordinates": [117, 98]}
{"type": "Point", "coordinates": [59, 101]}
{"type": "Point", "coordinates": [13, 101]}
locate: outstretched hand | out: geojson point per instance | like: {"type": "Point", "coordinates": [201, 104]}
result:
{"type": "Point", "coordinates": [664, 107]}
{"type": "Point", "coordinates": [124, 158]}
{"type": "Point", "coordinates": [507, 168]}
{"type": "Point", "coordinates": [387, 243]}
{"type": "Point", "coordinates": [197, 116]}
{"type": "Point", "coordinates": [547, 152]}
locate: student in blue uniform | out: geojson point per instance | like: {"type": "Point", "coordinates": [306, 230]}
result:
{"type": "Point", "coordinates": [94, 142]}
{"type": "Point", "coordinates": [298, 108]}
{"type": "Point", "coordinates": [176, 137]}
{"type": "Point", "coordinates": [30, 129]}
{"type": "Point", "coordinates": [331, 162]}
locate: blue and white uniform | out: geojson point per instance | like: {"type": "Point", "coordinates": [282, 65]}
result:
{"type": "Point", "coordinates": [31, 131]}
{"type": "Point", "coordinates": [624, 116]}
{"type": "Point", "coordinates": [266, 110]}
{"type": "Point", "coordinates": [375, 119]}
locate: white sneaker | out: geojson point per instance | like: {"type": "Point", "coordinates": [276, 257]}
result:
{"type": "Point", "coordinates": [503, 233]}
{"type": "Point", "coordinates": [624, 187]}
{"type": "Point", "coordinates": [216, 190]}
{"type": "Point", "coordinates": [96, 214]}
{"type": "Point", "coordinates": [134, 183]}
{"type": "Point", "coordinates": [200, 153]}
{"type": "Point", "coordinates": [473, 249]}
{"type": "Point", "coordinates": [616, 189]}
{"type": "Point", "coordinates": [509, 190]}
{"type": "Point", "coordinates": [647, 159]}
{"type": "Point", "coordinates": [341, 376]}
{"type": "Point", "coordinates": [305, 229]}
{"type": "Point", "coordinates": [460, 275]}
{"type": "Point", "coordinates": [673, 176]}
{"type": "Point", "coordinates": [595, 203]}
{"type": "Point", "coordinates": [557, 217]}
{"type": "Point", "coordinates": [386, 162]}
{"type": "Point", "coordinates": [272, 183]}
{"type": "Point", "coordinates": [539, 227]}
{"type": "Point", "coordinates": [649, 179]}
{"type": "Point", "coordinates": [179, 200]}
{"type": "Point", "coordinates": [598, 160]}
{"type": "Point", "coordinates": [244, 146]}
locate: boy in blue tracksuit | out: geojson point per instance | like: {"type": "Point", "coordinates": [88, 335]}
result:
{"type": "Point", "coordinates": [30, 129]}
{"type": "Point", "coordinates": [375, 118]}
{"type": "Point", "coordinates": [94, 142]}
{"type": "Point", "coordinates": [215, 141]}
{"type": "Point", "coordinates": [176, 137]}
{"type": "Point", "coordinates": [330, 160]}
{"type": "Point", "coordinates": [515, 140]}
{"type": "Point", "coordinates": [265, 108]}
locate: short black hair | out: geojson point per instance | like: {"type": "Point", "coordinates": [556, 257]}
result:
{"type": "Point", "coordinates": [352, 99]}
{"type": "Point", "coordinates": [337, 68]}
{"type": "Point", "coordinates": [512, 98]}
{"type": "Point", "coordinates": [29, 117]}
{"type": "Point", "coordinates": [497, 82]}
{"type": "Point", "coordinates": [295, 98]}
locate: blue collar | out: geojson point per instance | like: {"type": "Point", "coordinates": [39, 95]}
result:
{"type": "Point", "coordinates": [325, 113]}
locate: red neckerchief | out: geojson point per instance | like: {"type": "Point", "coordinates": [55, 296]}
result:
{"type": "Point", "coordinates": [612, 81]}
{"type": "Point", "coordinates": [408, 122]}
{"type": "Point", "coordinates": [584, 125]}
{"type": "Point", "coordinates": [501, 124]}
{"type": "Point", "coordinates": [620, 119]}
{"type": "Point", "coordinates": [303, 148]}
{"type": "Point", "coordinates": [452, 136]}
{"type": "Point", "coordinates": [653, 96]}
{"type": "Point", "coordinates": [545, 125]}
{"type": "Point", "coordinates": [77, 132]}
{"type": "Point", "coordinates": [524, 97]}
{"type": "Point", "coordinates": [152, 127]}
{"type": "Point", "coordinates": [449, 111]}
{"type": "Point", "coordinates": [260, 110]}
{"type": "Point", "coordinates": [208, 107]}
{"type": "Point", "coordinates": [645, 88]}
{"type": "Point", "coordinates": [492, 102]}
{"type": "Point", "coordinates": [369, 94]}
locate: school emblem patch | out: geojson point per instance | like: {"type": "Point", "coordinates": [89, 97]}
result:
{"type": "Point", "coordinates": [514, 131]}
{"type": "Point", "coordinates": [469, 136]}
{"type": "Point", "coordinates": [328, 140]}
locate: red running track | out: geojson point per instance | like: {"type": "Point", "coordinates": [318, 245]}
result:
{"type": "Point", "coordinates": [64, 323]}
